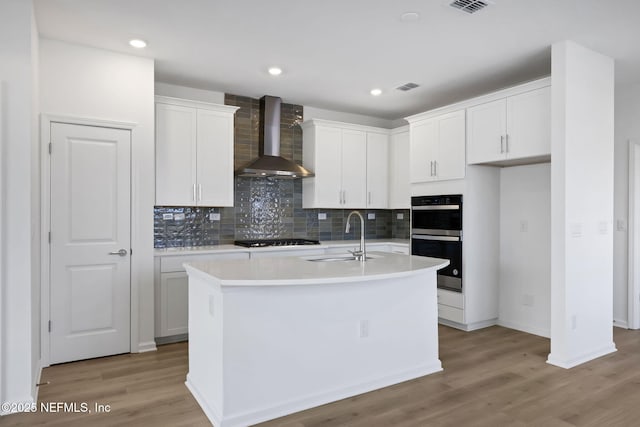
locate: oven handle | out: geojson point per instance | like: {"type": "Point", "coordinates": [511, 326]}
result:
{"type": "Point", "coordinates": [436, 208]}
{"type": "Point", "coordinates": [438, 238]}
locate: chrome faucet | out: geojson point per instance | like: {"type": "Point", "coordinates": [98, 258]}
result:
{"type": "Point", "coordinates": [360, 255]}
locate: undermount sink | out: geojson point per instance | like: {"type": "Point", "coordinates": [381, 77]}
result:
{"type": "Point", "coordinates": [334, 258]}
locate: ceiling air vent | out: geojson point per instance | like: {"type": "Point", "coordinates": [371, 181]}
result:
{"type": "Point", "coordinates": [469, 6]}
{"type": "Point", "coordinates": [407, 86]}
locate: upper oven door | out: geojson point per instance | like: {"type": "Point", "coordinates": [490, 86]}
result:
{"type": "Point", "coordinates": [432, 219]}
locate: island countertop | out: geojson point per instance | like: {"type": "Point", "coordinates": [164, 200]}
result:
{"type": "Point", "coordinates": [302, 271]}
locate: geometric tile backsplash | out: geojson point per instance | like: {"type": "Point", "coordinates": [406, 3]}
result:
{"type": "Point", "coordinates": [266, 208]}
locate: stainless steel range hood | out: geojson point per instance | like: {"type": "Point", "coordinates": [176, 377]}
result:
{"type": "Point", "coordinates": [270, 163]}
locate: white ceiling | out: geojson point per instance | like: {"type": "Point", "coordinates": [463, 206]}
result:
{"type": "Point", "coordinates": [333, 52]}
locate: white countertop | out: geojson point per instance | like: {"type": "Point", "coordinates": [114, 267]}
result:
{"type": "Point", "coordinates": [300, 271]}
{"type": "Point", "coordinates": [218, 249]}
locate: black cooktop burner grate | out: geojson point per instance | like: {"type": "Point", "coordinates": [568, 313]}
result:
{"type": "Point", "coordinates": [275, 242]}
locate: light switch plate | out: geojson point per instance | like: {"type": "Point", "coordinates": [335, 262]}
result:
{"type": "Point", "coordinates": [322, 216]}
{"type": "Point", "coordinates": [167, 216]}
{"type": "Point", "coordinates": [371, 215]}
{"type": "Point", "coordinates": [214, 216]}
{"type": "Point", "coordinates": [178, 217]}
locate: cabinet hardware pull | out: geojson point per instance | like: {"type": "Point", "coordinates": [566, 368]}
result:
{"type": "Point", "coordinates": [435, 168]}
{"type": "Point", "coordinates": [194, 192]}
{"type": "Point", "coordinates": [501, 144]}
{"type": "Point", "coordinates": [507, 144]}
{"type": "Point", "coordinates": [200, 192]}
{"type": "Point", "coordinates": [369, 198]}
{"type": "Point", "coordinates": [344, 197]}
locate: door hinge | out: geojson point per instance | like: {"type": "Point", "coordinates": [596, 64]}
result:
{"type": "Point", "coordinates": [49, 237]}
{"type": "Point", "coordinates": [50, 148]}
{"type": "Point", "coordinates": [49, 325]}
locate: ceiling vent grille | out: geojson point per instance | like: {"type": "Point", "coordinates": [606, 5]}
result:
{"type": "Point", "coordinates": [469, 6]}
{"type": "Point", "coordinates": [407, 86]}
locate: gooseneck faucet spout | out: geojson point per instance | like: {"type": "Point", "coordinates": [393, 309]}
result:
{"type": "Point", "coordinates": [362, 253]}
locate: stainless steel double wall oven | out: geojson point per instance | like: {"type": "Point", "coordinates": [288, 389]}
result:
{"type": "Point", "coordinates": [436, 231]}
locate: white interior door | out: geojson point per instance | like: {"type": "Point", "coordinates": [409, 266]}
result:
{"type": "Point", "coordinates": [90, 242]}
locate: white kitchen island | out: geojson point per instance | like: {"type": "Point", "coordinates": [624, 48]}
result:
{"type": "Point", "coordinates": [273, 336]}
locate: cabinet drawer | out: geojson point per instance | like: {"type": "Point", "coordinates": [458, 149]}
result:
{"type": "Point", "coordinates": [450, 313]}
{"type": "Point", "coordinates": [291, 252]}
{"type": "Point", "coordinates": [174, 263]}
{"type": "Point", "coordinates": [452, 299]}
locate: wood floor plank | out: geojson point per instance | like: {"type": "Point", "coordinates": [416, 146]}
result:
{"type": "Point", "coordinates": [492, 377]}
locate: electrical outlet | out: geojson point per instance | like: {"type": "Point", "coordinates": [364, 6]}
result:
{"type": "Point", "coordinates": [364, 328]}
{"type": "Point", "coordinates": [603, 227]}
{"type": "Point", "coordinates": [211, 306]}
{"type": "Point", "coordinates": [400, 216]}
{"type": "Point", "coordinates": [322, 216]}
{"type": "Point", "coordinates": [371, 215]}
{"type": "Point", "coordinates": [620, 225]}
{"type": "Point", "coordinates": [167, 217]}
{"type": "Point", "coordinates": [179, 217]}
{"type": "Point", "coordinates": [214, 216]}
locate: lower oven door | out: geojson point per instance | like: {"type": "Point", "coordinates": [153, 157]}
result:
{"type": "Point", "coordinates": [448, 247]}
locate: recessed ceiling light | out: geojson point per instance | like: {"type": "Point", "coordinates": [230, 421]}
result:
{"type": "Point", "coordinates": [409, 16]}
{"type": "Point", "coordinates": [137, 43]}
{"type": "Point", "coordinates": [275, 71]}
{"type": "Point", "coordinates": [376, 92]}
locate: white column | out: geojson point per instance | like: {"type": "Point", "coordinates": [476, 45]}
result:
{"type": "Point", "coordinates": [581, 205]}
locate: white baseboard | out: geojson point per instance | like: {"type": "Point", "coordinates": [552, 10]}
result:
{"type": "Point", "coordinates": [541, 332]}
{"type": "Point", "coordinates": [468, 327]}
{"type": "Point", "coordinates": [620, 323]}
{"type": "Point", "coordinates": [277, 410]}
{"type": "Point", "coordinates": [575, 361]}
{"type": "Point", "coordinates": [144, 347]}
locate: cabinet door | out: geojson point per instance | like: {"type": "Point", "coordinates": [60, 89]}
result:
{"type": "Point", "coordinates": [377, 170]}
{"type": "Point", "coordinates": [214, 159]}
{"type": "Point", "coordinates": [175, 155]}
{"type": "Point", "coordinates": [529, 124]}
{"type": "Point", "coordinates": [174, 304]}
{"type": "Point", "coordinates": [354, 169]}
{"type": "Point", "coordinates": [486, 130]}
{"type": "Point", "coordinates": [399, 186]}
{"type": "Point", "coordinates": [423, 150]}
{"type": "Point", "coordinates": [327, 184]}
{"type": "Point", "coordinates": [450, 163]}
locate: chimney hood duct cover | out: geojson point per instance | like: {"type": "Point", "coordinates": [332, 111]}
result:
{"type": "Point", "coordinates": [270, 163]}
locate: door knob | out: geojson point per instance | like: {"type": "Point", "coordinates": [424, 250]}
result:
{"type": "Point", "coordinates": [121, 252]}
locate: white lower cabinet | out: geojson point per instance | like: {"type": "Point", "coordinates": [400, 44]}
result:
{"type": "Point", "coordinates": [172, 291]}
{"type": "Point", "coordinates": [450, 306]}
{"type": "Point", "coordinates": [174, 304]}
{"type": "Point", "coordinates": [172, 284]}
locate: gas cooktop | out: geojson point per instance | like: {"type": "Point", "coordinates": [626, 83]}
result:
{"type": "Point", "coordinates": [275, 242]}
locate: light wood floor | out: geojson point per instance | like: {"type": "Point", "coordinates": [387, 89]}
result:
{"type": "Point", "coordinates": [492, 377]}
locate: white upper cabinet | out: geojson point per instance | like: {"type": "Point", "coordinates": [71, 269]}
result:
{"type": "Point", "coordinates": [350, 166]}
{"type": "Point", "coordinates": [512, 129]}
{"type": "Point", "coordinates": [194, 153]}
{"type": "Point", "coordinates": [399, 185]}
{"type": "Point", "coordinates": [354, 168]}
{"type": "Point", "coordinates": [175, 155]}
{"type": "Point", "coordinates": [377, 170]}
{"type": "Point", "coordinates": [437, 147]}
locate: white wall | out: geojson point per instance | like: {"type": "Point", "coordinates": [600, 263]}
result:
{"type": "Point", "coordinates": [91, 83]}
{"type": "Point", "coordinates": [627, 127]}
{"type": "Point", "coordinates": [582, 98]}
{"type": "Point", "coordinates": [166, 89]}
{"type": "Point", "coordinates": [17, 372]}
{"type": "Point", "coordinates": [525, 248]}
